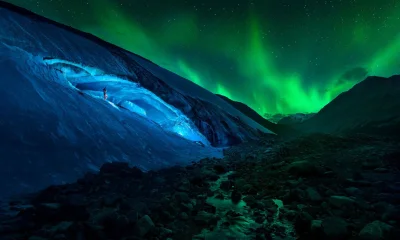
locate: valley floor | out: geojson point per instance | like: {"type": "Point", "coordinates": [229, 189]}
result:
{"type": "Point", "coordinates": [313, 187]}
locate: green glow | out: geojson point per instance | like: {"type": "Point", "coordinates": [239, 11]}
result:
{"type": "Point", "coordinates": [189, 73]}
{"type": "Point", "coordinates": [260, 57]}
{"type": "Point", "coordinates": [223, 91]}
{"type": "Point", "coordinates": [260, 65]}
{"type": "Point", "coordinates": [379, 63]}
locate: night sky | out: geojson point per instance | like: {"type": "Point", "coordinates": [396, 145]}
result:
{"type": "Point", "coordinates": [277, 56]}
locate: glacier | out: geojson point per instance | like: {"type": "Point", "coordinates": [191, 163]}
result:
{"type": "Point", "coordinates": [55, 125]}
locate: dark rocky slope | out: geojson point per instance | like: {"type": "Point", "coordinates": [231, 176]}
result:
{"type": "Point", "coordinates": [331, 187]}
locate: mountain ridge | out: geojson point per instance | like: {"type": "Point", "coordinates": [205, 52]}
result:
{"type": "Point", "coordinates": [370, 106]}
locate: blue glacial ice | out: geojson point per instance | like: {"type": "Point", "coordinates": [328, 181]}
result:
{"type": "Point", "coordinates": [55, 125]}
{"type": "Point", "coordinates": [129, 95]}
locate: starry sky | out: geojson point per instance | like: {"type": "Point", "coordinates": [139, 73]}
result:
{"type": "Point", "coordinates": [277, 56]}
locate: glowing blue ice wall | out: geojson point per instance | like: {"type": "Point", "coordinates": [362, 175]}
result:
{"type": "Point", "coordinates": [129, 95]}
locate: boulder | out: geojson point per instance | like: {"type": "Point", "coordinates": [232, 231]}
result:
{"type": "Point", "coordinates": [375, 230]}
{"type": "Point", "coordinates": [144, 226]}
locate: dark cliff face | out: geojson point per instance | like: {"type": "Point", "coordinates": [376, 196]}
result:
{"type": "Point", "coordinates": [371, 106]}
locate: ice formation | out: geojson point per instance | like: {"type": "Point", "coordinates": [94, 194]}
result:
{"type": "Point", "coordinates": [127, 95]}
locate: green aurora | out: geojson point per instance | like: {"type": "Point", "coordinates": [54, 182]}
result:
{"type": "Point", "coordinates": [279, 56]}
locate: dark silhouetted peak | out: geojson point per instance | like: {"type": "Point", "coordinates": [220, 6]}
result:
{"type": "Point", "coordinates": [371, 106]}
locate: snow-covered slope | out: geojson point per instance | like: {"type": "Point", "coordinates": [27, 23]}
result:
{"type": "Point", "coordinates": [371, 106]}
{"type": "Point", "coordinates": [55, 124]}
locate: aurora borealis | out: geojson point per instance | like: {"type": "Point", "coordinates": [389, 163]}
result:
{"type": "Point", "coordinates": [277, 56]}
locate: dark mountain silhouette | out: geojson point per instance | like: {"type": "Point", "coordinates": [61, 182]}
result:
{"type": "Point", "coordinates": [371, 106]}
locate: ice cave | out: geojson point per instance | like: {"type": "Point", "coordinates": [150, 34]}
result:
{"type": "Point", "coordinates": [125, 94]}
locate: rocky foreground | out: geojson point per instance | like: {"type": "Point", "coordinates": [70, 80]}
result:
{"type": "Point", "coordinates": [314, 187]}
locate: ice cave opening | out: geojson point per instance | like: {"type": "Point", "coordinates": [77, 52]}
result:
{"type": "Point", "coordinates": [127, 95]}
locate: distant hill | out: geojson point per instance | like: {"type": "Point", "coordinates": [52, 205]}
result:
{"type": "Point", "coordinates": [295, 118]}
{"type": "Point", "coordinates": [274, 117]}
{"type": "Point", "coordinates": [372, 106]}
{"type": "Point", "coordinates": [279, 129]}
